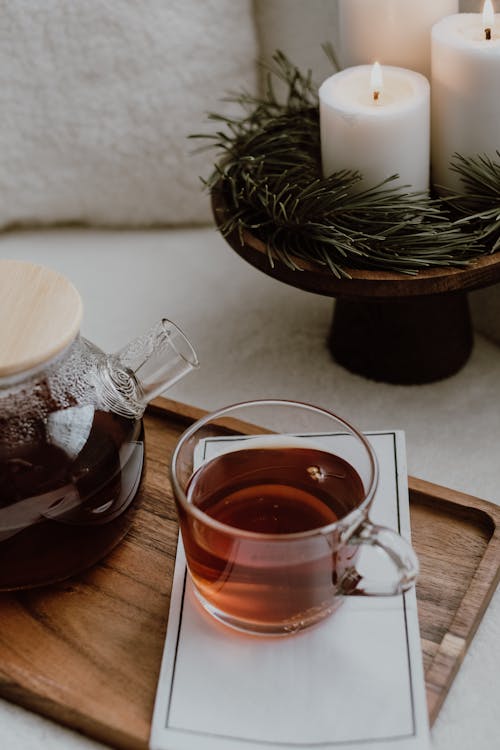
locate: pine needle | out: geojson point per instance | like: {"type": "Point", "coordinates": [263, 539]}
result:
{"type": "Point", "coordinates": [479, 204]}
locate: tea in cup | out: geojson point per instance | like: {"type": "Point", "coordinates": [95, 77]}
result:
{"type": "Point", "coordinates": [273, 521]}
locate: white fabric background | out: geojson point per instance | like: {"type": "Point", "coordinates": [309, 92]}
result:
{"type": "Point", "coordinates": [97, 98]}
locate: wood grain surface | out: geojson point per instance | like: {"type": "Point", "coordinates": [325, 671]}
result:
{"type": "Point", "coordinates": [43, 310]}
{"type": "Point", "coordinates": [87, 652]}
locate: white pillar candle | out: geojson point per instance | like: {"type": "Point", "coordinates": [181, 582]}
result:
{"type": "Point", "coordinates": [465, 91]}
{"type": "Point", "coordinates": [395, 31]}
{"type": "Point", "coordinates": [377, 128]}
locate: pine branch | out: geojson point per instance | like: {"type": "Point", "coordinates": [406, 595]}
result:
{"type": "Point", "coordinates": [269, 169]}
{"type": "Point", "coordinates": [479, 205]}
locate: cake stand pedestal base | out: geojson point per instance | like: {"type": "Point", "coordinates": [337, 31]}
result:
{"type": "Point", "coordinates": [402, 340]}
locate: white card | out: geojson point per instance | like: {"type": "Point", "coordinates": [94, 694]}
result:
{"type": "Point", "coordinates": [353, 681]}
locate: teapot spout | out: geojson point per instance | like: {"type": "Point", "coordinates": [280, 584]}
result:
{"type": "Point", "coordinates": [157, 360]}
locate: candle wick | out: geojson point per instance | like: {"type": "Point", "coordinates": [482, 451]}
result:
{"type": "Point", "coordinates": [487, 34]}
{"type": "Point", "coordinates": [376, 96]}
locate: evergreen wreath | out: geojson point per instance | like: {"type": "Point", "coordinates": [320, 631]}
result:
{"type": "Point", "coordinates": [269, 172]}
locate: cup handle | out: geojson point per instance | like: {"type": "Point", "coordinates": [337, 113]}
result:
{"type": "Point", "coordinates": [399, 551]}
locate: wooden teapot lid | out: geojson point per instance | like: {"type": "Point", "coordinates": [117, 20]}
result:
{"type": "Point", "coordinates": [40, 314]}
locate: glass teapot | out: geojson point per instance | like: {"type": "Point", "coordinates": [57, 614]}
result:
{"type": "Point", "coordinates": [71, 431]}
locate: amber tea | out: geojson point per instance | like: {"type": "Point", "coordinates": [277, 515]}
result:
{"type": "Point", "coordinates": [272, 527]}
{"type": "Point", "coordinates": [272, 491]}
{"type": "Point", "coordinates": [60, 513]}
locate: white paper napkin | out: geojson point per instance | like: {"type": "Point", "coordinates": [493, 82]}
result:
{"type": "Point", "coordinates": [353, 681]}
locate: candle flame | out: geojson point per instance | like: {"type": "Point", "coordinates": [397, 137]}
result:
{"type": "Point", "coordinates": [376, 81]}
{"type": "Point", "coordinates": [488, 18]}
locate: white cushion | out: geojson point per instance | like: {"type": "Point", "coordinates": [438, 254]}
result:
{"type": "Point", "coordinates": [97, 100]}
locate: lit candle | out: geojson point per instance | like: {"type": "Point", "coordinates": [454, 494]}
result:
{"type": "Point", "coordinates": [397, 31]}
{"type": "Point", "coordinates": [377, 121]}
{"type": "Point", "coordinates": [465, 90]}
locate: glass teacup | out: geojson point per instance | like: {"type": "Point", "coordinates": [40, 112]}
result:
{"type": "Point", "coordinates": [272, 523]}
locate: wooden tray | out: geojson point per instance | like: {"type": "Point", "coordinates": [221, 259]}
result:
{"type": "Point", "coordinates": [87, 652]}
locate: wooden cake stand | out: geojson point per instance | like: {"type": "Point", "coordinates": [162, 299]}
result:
{"type": "Point", "coordinates": [386, 326]}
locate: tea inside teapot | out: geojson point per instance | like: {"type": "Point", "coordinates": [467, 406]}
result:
{"type": "Point", "coordinates": [59, 514]}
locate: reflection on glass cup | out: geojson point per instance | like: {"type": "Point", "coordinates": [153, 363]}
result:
{"type": "Point", "coordinates": [272, 523]}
